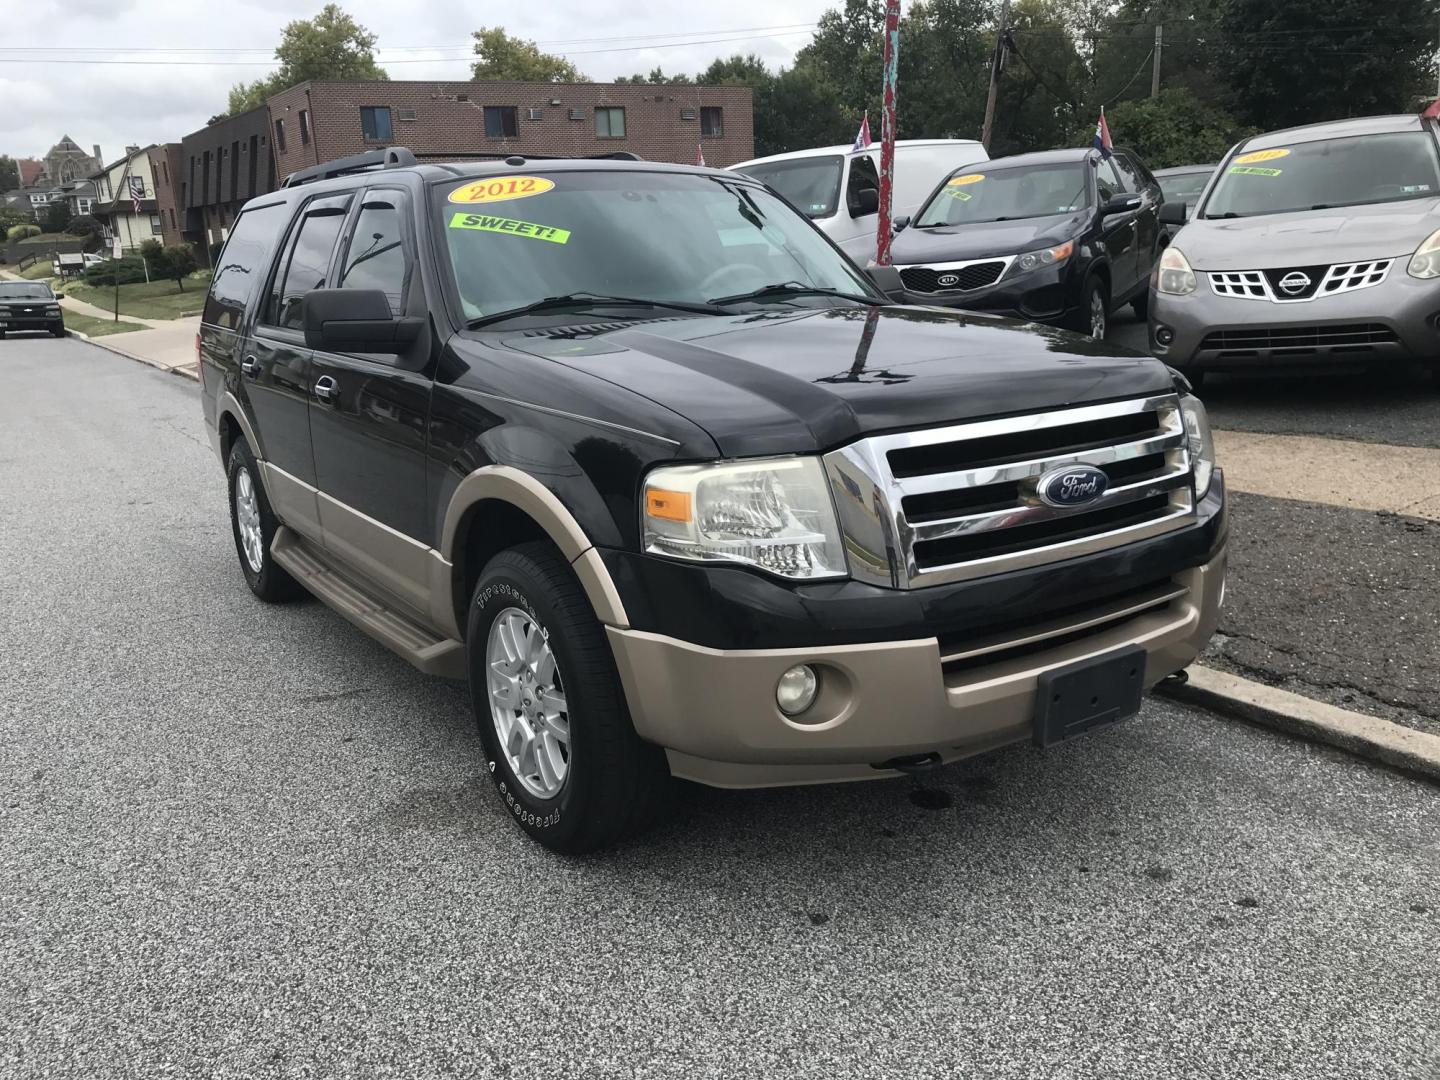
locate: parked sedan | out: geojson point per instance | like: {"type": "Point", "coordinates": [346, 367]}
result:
{"type": "Point", "coordinates": [1183, 184]}
{"type": "Point", "coordinates": [30, 305]}
{"type": "Point", "coordinates": [1062, 237]}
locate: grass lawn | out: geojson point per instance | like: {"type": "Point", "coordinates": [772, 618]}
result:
{"type": "Point", "coordinates": [40, 271]}
{"type": "Point", "coordinates": [155, 300]}
{"type": "Point", "coordinates": [98, 327]}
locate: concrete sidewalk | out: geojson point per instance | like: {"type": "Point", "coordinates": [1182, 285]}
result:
{"type": "Point", "coordinates": [168, 345]}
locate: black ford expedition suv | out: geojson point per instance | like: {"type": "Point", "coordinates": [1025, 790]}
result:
{"type": "Point", "coordinates": [638, 452]}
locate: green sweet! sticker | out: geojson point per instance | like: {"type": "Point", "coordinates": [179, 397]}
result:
{"type": "Point", "coordinates": [1251, 170]}
{"type": "Point", "coordinates": [484, 223]}
{"type": "Point", "coordinates": [956, 193]}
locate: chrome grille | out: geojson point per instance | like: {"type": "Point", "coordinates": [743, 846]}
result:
{"type": "Point", "coordinates": [953, 277]}
{"type": "Point", "coordinates": [1334, 280]}
{"type": "Point", "coordinates": [949, 504]}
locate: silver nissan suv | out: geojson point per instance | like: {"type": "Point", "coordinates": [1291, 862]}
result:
{"type": "Point", "coordinates": [1313, 247]}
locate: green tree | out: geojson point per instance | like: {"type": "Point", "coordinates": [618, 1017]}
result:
{"type": "Point", "coordinates": [83, 225]}
{"type": "Point", "coordinates": [176, 262]}
{"type": "Point", "coordinates": [21, 232]}
{"type": "Point", "coordinates": [57, 217]}
{"type": "Point", "coordinates": [1175, 128]}
{"type": "Point", "coordinates": [10, 217]}
{"type": "Point", "coordinates": [9, 173]}
{"type": "Point", "coordinates": [1291, 62]}
{"type": "Point", "coordinates": [332, 45]}
{"type": "Point", "coordinates": [656, 78]}
{"type": "Point", "coordinates": [513, 59]}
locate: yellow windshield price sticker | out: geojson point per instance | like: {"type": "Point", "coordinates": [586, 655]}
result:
{"type": "Point", "coordinates": [968, 178]}
{"type": "Point", "coordinates": [481, 223]}
{"type": "Point", "coordinates": [1251, 170]}
{"type": "Point", "coordinates": [501, 188]}
{"type": "Point", "coordinates": [1261, 155]}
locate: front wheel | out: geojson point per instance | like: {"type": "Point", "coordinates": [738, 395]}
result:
{"type": "Point", "coordinates": [1092, 317]}
{"type": "Point", "coordinates": [558, 740]}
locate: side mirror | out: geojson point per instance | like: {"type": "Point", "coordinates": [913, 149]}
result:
{"type": "Point", "coordinates": [900, 222]}
{"type": "Point", "coordinates": [1173, 213]}
{"type": "Point", "coordinates": [59, 296]}
{"type": "Point", "coordinates": [887, 279]}
{"type": "Point", "coordinates": [355, 320]}
{"type": "Point", "coordinates": [1122, 202]}
{"type": "Point", "coordinates": [867, 201]}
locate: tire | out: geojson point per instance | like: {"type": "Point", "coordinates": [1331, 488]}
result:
{"type": "Point", "coordinates": [1083, 319]}
{"type": "Point", "coordinates": [58, 331]}
{"type": "Point", "coordinates": [598, 782]}
{"type": "Point", "coordinates": [267, 579]}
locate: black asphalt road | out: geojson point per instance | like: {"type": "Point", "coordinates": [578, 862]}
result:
{"type": "Point", "coordinates": [244, 841]}
{"type": "Point", "coordinates": [1401, 408]}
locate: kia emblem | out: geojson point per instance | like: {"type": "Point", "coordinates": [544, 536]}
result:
{"type": "Point", "coordinates": [1072, 486]}
{"type": "Point", "coordinates": [948, 280]}
{"type": "Point", "coordinates": [1294, 283]}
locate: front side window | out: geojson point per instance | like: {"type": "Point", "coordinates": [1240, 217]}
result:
{"type": "Point", "coordinates": [862, 177]}
{"type": "Point", "coordinates": [1183, 187]}
{"type": "Point", "coordinates": [1327, 173]}
{"type": "Point", "coordinates": [377, 257]}
{"type": "Point", "coordinates": [610, 123]}
{"type": "Point", "coordinates": [243, 263]}
{"type": "Point", "coordinates": [978, 194]}
{"type": "Point", "coordinates": [375, 123]}
{"type": "Point", "coordinates": [712, 121]}
{"type": "Point", "coordinates": [501, 122]}
{"type": "Point", "coordinates": [307, 264]}
{"type": "Point", "coordinates": [1130, 177]}
{"type": "Point", "coordinates": [651, 235]}
{"type": "Point", "coordinates": [811, 184]}
{"type": "Point", "coordinates": [1107, 180]}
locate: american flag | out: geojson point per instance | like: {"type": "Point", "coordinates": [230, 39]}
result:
{"type": "Point", "coordinates": [137, 191]}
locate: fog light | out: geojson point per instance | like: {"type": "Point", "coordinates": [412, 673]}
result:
{"type": "Point", "coordinates": [795, 692]}
{"type": "Point", "coordinates": [1164, 335]}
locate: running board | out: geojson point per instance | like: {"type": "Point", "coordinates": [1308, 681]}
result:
{"type": "Point", "coordinates": [318, 572]}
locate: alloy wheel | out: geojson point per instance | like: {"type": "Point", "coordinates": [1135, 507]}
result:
{"type": "Point", "coordinates": [1097, 315]}
{"type": "Point", "coordinates": [527, 702]}
{"type": "Point", "coordinates": [247, 518]}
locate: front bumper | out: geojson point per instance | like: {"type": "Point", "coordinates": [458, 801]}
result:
{"type": "Point", "coordinates": [1395, 321]}
{"type": "Point", "coordinates": [1043, 295]}
{"type": "Point", "coordinates": [19, 323]}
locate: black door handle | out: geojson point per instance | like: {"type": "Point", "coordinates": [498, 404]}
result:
{"type": "Point", "coordinates": [250, 366]}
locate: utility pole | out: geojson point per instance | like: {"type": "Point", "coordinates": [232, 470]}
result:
{"type": "Point", "coordinates": [887, 131]}
{"type": "Point", "coordinates": [996, 63]}
{"type": "Point", "coordinates": [1155, 65]}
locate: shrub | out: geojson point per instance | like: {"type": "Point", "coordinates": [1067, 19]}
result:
{"type": "Point", "coordinates": [84, 225]}
{"type": "Point", "coordinates": [57, 217]}
{"type": "Point", "coordinates": [20, 232]}
{"type": "Point", "coordinates": [128, 271]}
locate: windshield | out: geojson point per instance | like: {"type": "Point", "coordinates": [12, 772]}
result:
{"type": "Point", "coordinates": [1332, 172]}
{"type": "Point", "coordinates": [1183, 187]}
{"type": "Point", "coordinates": [1007, 193]}
{"type": "Point", "coordinates": [25, 290]}
{"type": "Point", "coordinates": [681, 237]}
{"type": "Point", "coordinates": [810, 184]}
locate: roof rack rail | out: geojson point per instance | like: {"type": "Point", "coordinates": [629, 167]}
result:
{"type": "Point", "coordinates": [392, 157]}
{"type": "Point", "coordinates": [470, 155]}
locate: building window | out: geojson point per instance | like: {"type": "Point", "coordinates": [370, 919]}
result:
{"type": "Point", "coordinates": [155, 226]}
{"type": "Point", "coordinates": [375, 123]}
{"type": "Point", "coordinates": [501, 122]}
{"type": "Point", "coordinates": [610, 123]}
{"type": "Point", "coordinates": [712, 121]}
{"type": "Point", "coordinates": [82, 206]}
{"type": "Point", "coordinates": [404, 114]}
{"type": "Point", "coordinates": [165, 172]}
{"type": "Point", "coordinates": [280, 134]}
{"type": "Point", "coordinates": [304, 127]}
{"type": "Point", "coordinates": [172, 218]}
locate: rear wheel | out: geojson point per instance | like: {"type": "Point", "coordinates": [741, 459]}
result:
{"type": "Point", "coordinates": [253, 524]}
{"type": "Point", "coordinates": [551, 714]}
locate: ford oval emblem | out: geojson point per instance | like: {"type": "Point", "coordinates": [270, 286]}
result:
{"type": "Point", "coordinates": [1074, 485]}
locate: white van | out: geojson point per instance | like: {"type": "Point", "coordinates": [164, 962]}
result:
{"type": "Point", "coordinates": [814, 180]}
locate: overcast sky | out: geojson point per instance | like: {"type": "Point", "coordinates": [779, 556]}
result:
{"type": "Point", "coordinates": [119, 104]}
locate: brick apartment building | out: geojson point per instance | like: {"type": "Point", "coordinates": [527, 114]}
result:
{"type": "Point", "coordinates": [320, 121]}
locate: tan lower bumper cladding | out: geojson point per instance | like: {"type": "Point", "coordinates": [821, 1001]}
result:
{"type": "Point", "coordinates": [714, 710]}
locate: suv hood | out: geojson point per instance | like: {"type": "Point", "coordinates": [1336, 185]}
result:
{"type": "Point", "coordinates": [957, 243]}
{"type": "Point", "coordinates": [1309, 237]}
{"type": "Point", "coordinates": [802, 381]}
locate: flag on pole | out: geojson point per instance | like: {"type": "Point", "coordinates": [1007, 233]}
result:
{"type": "Point", "coordinates": [137, 191]}
{"type": "Point", "coordinates": [1102, 136]}
{"type": "Point", "coordinates": [862, 140]}
{"type": "Point", "coordinates": [1432, 111]}
{"type": "Point", "coordinates": [699, 155]}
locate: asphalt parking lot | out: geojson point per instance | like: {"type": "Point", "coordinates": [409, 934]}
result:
{"type": "Point", "coordinates": [242, 840]}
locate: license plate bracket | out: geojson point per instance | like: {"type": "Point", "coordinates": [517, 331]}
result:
{"type": "Point", "coordinates": [1088, 694]}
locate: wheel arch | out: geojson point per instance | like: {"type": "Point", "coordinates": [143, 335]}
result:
{"type": "Point", "coordinates": [497, 507]}
{"type": "Point", "coordinates": [232, 421]}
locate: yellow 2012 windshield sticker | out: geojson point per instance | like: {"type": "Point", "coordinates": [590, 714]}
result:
{"type": "Point", "coordinates": [1251, 170]}
{"type": "Point", "coordinates": [501, 188]}
{"type": "Point", "coordinates": [1261, 155]}
{"type": "Point", "coordinates": [483, 223]}
{"type": "Point", "coordinates": [968, 178]}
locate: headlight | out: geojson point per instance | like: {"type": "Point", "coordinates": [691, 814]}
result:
{"type": "Point", "coordinates": [1034, 260]}
{"type": "Point", "coordinates": [1173, 275]}
{"type": "Point", "coordinates": [1425, 263]}
{"type": "Point", "coordinates": [1199, 442]}
{"type": "Point", "coordinates": [52, 311]}
{"type": "Point", "coordinates": [771, 513]}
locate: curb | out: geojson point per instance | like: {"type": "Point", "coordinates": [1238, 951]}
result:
{"type": "Point", "coordinates": [99, 343]}
{"type": "Point", "coordinates": [1368, 737]}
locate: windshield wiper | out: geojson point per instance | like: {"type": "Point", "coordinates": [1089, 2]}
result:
{"type": "Point", "coordinates": [589, 299]}
{"type": "Point", "coordinates": [794, 288]}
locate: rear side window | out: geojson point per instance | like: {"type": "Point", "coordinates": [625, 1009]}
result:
{"type": "Point", "coordinates": [243, 263]}
{"type": "Point", "coordinates": [307, 263]}
{"type": "Point", "coordinates": [377, 258]}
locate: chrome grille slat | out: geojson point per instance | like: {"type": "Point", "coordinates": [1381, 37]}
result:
{"type": "Point", "coordinates": [975, 535]}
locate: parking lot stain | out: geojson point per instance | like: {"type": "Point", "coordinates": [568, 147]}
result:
{"type": "Point", "coordinates": [1159, 873]}
{"type": "Point", "coordinates": [1247, 902]}
{"type": "Point", "coordinates": [338, 695]}
{"type": "Point", "coordinates": [817, 918]}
